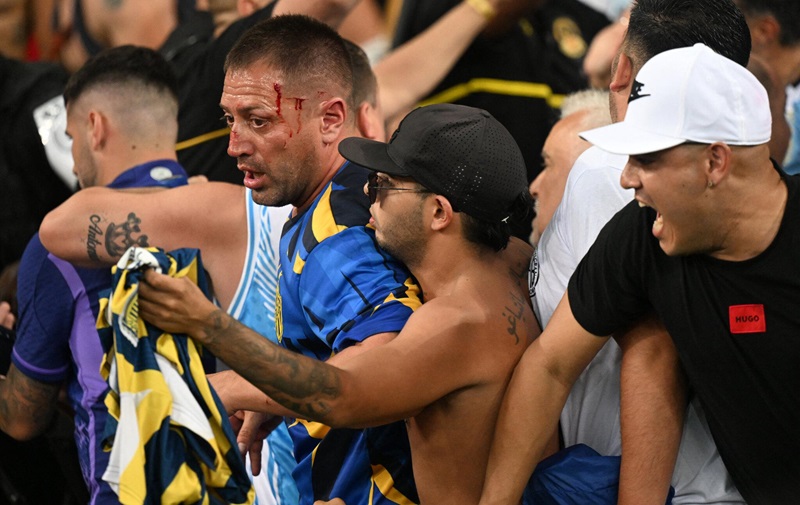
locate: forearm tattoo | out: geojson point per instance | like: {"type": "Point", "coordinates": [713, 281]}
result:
{"type": "Point", "coordinates": [24, 400]}
{"type": "Point", "coordinates": [116, 239]}
{"type": "Point", "coordinates": [302, 384]}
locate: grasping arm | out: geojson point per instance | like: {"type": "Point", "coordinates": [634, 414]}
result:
{"type": "Point", "coordinates": [389, 382]}
{"type": "Point", "coordinates": [236, 393]}
{"type": "Point", "coordinates": [652, 411]}
{"type": "Point", "coordinates": [533, 402]}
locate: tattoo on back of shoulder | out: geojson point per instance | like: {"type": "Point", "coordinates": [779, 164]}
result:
{"type": "Point", "coordinates": [515, 315]}
{"type": "Point", "coordinates": [117, 238]}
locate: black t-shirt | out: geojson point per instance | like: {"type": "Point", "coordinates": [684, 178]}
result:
{"type": "Point", "coordinates": [736, 326]}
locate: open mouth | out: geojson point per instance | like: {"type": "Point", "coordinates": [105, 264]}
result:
{"type": "Point", "coordinates": [658, 223]}
{"type": "Point", "coordinates": [252, 180]}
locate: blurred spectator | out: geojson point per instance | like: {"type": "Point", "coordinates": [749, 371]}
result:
{"type": "Point", "coordinates": [602, 49]}
{"type": "Point", "coordinates": [781, 131]}
{"type": "Point", "coordinates": [13, 28]}
{"type": "Point", "coordinates": [775, 30]}
{"type": "Point", "coordinates": [366, 27]}
{"type": "Point", "coordinates": [89, 26]}
{"type": "Point", "coordinates": [580, 111]}
{"type": "Point", "coordinates": [35, 166]}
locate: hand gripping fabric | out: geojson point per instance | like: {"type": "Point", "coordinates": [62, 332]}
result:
{"type": "Point", "coordinates": [169, 437]}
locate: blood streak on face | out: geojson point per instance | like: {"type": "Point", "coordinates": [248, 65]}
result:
{"type": "Point", "coordinates": [298, 105]}
{"type": "Point", "coordinates": [277, 88]}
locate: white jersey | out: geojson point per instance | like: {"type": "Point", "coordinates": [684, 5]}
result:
{"type": "Point", "coordinates": [254, 306]}
{"type": "Point", "coordinates": [591, 414]}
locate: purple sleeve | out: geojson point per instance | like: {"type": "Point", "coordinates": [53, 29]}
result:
{"type": "Point", "coordinates": [46, 309]}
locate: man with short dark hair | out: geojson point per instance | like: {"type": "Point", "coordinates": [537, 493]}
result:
{"type": "Point", "coordinates": [120, 144]}
{"type": "Point", "coordinates": [719, 274]}
{"type": "Point", "coordinates": [442, 193]}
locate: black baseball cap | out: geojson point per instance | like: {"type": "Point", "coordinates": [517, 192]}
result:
{"type": "Point", "coordinates": [460, 152]}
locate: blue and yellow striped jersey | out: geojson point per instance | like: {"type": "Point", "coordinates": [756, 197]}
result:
{"type": "Point", "coordinates": [337, 288]}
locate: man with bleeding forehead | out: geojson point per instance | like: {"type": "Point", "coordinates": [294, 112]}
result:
{"type": "Point", "coordinates": [287, 99]}
{"type": "Point", "coordinates": [710, 245]}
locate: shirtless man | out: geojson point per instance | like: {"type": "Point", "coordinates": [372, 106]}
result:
{"type": "Point", "coordinates": [440, 202]}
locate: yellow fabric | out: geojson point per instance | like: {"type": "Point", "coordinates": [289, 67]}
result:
{"type": "Point", "coordinates": [172, 442]}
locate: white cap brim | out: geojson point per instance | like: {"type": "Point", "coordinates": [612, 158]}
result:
{"type": "Point", "coordinates": [622, 138]}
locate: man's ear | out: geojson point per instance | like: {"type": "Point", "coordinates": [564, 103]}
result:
{"type": "Point", "coordinates": [365, 119]}
{"type": "Point", "coordinates": [719, 162]}
{"type": "Point", "coordinates": [764, 30]}
{"type": "Point", "coordinates": [443, 213]}
{"type": "Point", "coordinates": [622, 76]}
{"type": "Point", "coordinates": [98, 131]}
{"type": "Point", "coordinates": [334, 115]}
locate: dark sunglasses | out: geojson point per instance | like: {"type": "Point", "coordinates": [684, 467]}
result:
{"type": "Point", "coordinates": [376, 184]}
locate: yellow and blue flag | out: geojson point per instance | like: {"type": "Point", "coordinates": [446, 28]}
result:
{"type": "Point", "coordinates": [169, 435]}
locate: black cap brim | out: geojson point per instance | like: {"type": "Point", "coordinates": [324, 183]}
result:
{"type": "Point", "coordinates": [371, 154]}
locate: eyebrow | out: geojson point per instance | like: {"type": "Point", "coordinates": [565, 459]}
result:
{"type": "Point", "coordinates": [247, 108]}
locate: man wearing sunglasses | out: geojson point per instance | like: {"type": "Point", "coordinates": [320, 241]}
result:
{"type": "Point", "coordinates": [442, 193]}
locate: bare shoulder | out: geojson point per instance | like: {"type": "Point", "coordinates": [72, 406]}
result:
{"type": "Point", "coordinates": [500, 314]}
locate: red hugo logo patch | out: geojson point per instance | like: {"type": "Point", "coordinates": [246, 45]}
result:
{"type": "Point", "coordinates": [747, 318]}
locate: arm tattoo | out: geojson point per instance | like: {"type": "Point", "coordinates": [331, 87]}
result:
{"type": "Point", "coordinates": [114, 4]}
{"type": "Point", "coordinates": [26, 401]}
{"type": "Point", "coordinates": [302, 384]}
{"type": "Point", "coordinates": [117, 239]}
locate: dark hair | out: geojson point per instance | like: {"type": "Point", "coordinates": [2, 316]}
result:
{"type": "Point", "coordinates": [656, 26]}
{"type": "Point", "coordinates": [497, 234]}
{"type": "Point", "coordinates": [302, 49]}
{"type": "Point", "coordinates": [123, 65]}
{"type": "Point", "coordinates": [785, 12]}
{"type": "Point", "coordinates": [365, 85]}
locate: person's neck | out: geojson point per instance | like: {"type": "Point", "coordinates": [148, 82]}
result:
{"type": "Point", "coordinates": [753, 215]}
{"type": "Point", "coordinates": [330, 163]}
{"type": "Point", "coordinates": [114, 166]}
{"type": "Point", "coordinates": [786, 64]}
{"type": "Point", "coordinates": [441, 273]}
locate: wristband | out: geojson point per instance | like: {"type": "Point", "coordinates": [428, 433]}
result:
{"type": "Point", "coordinates": [482, 7]}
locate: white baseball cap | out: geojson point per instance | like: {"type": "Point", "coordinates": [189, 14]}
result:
{"type": "Point", "coordinates": [689, 94]}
